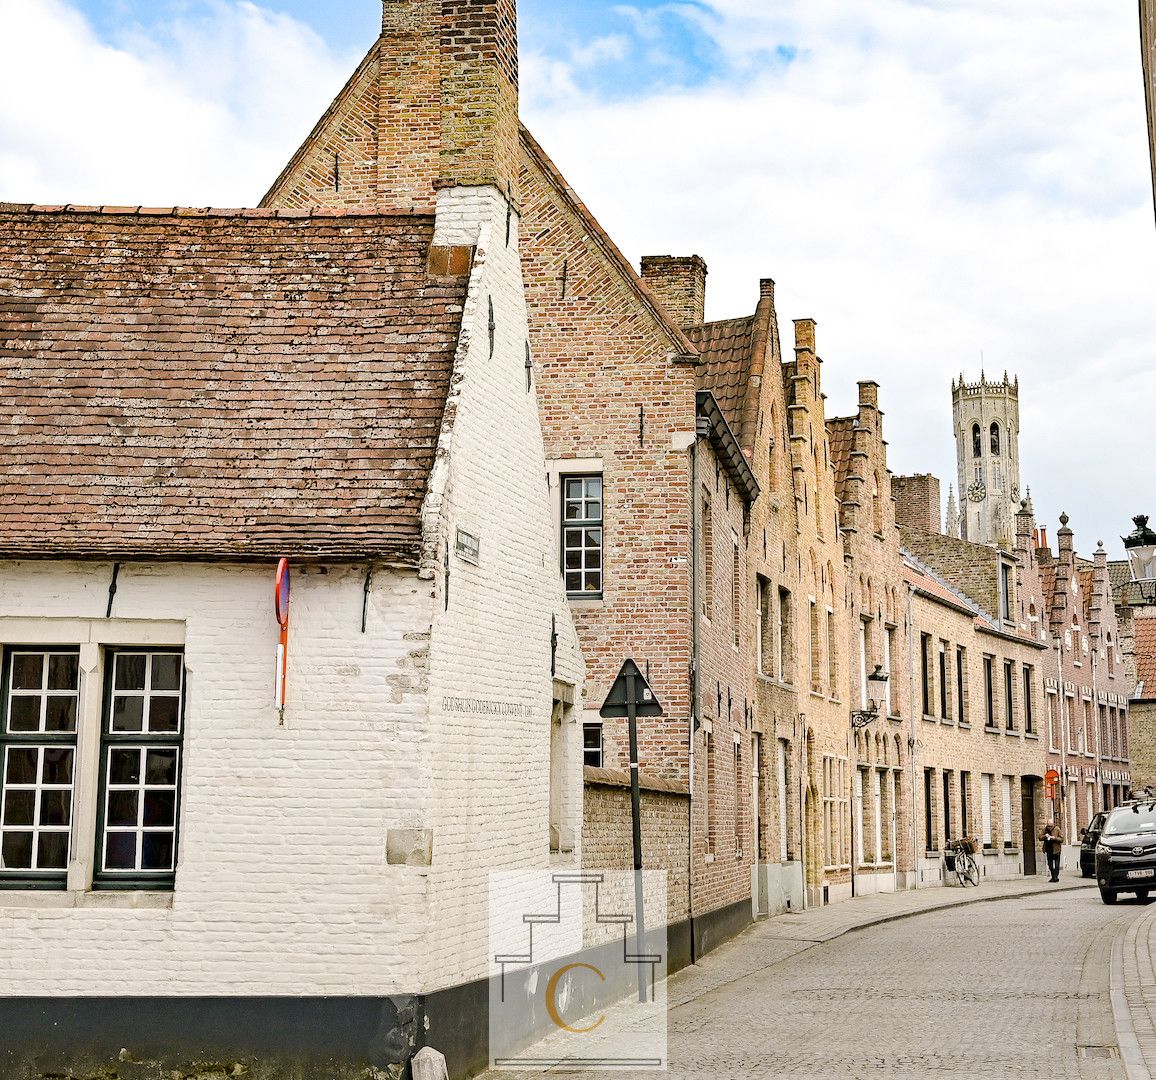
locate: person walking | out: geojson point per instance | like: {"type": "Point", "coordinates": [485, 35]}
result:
{"type": "Point", "coordinates": [1052, 842]}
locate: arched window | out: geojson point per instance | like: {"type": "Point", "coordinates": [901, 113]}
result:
{"type": "Point", "coordinates": [995, 438]}
{"type": "Point", "coordinates": [976, 441]}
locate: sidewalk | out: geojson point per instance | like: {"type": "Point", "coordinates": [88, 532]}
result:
{"type": "Point", "coordinates": [1134, 996]}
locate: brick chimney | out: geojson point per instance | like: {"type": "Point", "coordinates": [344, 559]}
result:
{"type": "Point", "coordinates": [434, 104]}
{"type": "Point", "coordinates": [479, 90]}
{"type": "Point", "coordinates": [917, 502]}
{"type": "Point", "coordinates": [679, 284]}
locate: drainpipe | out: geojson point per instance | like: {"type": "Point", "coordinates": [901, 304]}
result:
{"type": "Point", "coordinates": [1097, 791]}
{"type": "Point", "coordinates": [1065, 735]}
{"type": "Point", "coordinates": [800, 749]}
{"type": "Point", "coordinates": [702, 430]}
{"type": "Point", "coordinates": [912, 740]}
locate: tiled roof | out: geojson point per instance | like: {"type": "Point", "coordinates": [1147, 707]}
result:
{"type": "Point", "coordinates": [841, 436]}
{"type": "Point", "coordinates": [726, 352]}
{"type": "Point", "coordinates": [1119, 571]}
{"type": "Point", "coordinates": [218, 384]}
{"type": "Point", "coordinates": [1145, 648]}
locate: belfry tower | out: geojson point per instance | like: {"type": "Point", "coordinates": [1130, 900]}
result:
{"type": "Point", "coordinates": [987, 451]}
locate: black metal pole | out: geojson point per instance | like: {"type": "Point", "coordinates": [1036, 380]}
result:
{"type": "Point", "coordinates": [636, 821]}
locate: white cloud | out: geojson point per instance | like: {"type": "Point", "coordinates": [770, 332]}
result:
{"type": "Point", "coordinates": [205, 112]}
{"type": "Point", "coordinates": [928, 181]}
{"type": "Point", "coordinates": [925, 179]}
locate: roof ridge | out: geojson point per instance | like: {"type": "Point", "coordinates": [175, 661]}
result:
{"type": "Point", "coordinates": [203, 211]}
{"type": "Point", "coordinates": [608, 246]}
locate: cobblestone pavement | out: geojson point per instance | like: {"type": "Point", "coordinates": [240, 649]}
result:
{"type": "Point", "coordinates": [1015, 987]}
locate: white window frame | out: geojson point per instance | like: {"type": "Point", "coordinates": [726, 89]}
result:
{"type": "Point", "coordinates": [1006, 792]}
{"type": "Point", "coordinates": [985, 809]}
{"type": "Point", "coordinates": [583, 527]}
{"type": "Point", "coordinates": [94, 640]}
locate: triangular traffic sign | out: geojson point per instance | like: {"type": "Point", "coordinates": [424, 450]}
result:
{"type": "Point", "coordinates": [617, 703]}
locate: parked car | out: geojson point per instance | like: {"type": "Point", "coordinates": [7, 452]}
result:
{"type": "Point", "coordinates": [1126, 852]}
{"type": "Point", "coordinates": [1090, 837]}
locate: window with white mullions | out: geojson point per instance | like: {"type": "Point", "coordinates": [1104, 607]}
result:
{"type": "Point", "coordinates": [40, 697]}
{"type": "Point", "coordinates": [140, 768]}
{"type": "Point", "coordinates": [582, 515]}
{"type": "Point", "coordinates": [140, 809]}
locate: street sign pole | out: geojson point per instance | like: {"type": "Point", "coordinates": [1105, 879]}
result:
{"type": "Point", "coordinates": [631, 697]}
{"type": "Point", "coordinates": [636, 821]}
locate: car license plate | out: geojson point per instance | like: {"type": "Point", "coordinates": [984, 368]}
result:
{"type": "Point", "coordinates": [1141, 873]}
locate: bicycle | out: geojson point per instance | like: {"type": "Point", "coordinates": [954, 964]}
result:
{"type": "Point", "coordinates": [966, 868]}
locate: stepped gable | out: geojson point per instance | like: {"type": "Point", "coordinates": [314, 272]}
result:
{"type": "Point", "coordinates": [219, 384]}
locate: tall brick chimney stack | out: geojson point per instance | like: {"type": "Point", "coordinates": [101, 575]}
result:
{"type": "Point", "coordinates": [479, 90]}
{"type": "Point", "coordinates": [679, 284]}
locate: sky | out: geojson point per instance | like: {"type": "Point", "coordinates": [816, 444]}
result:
{"type": "Point", "coordinates": [944, 185]}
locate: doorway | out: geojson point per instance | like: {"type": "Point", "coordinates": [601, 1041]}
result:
{"type": "Point", "coordinates": [1028, 821]}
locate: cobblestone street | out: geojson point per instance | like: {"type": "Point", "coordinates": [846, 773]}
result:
{"type": "Point", "coordinates": [1019, 986]}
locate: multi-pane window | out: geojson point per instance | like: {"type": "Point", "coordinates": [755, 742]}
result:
{"type": "Point", "coordinates": [863, 663]}
{"type": "Point", "coordinates": [140, 767]}
{"type": "Point", "coordinates": [582, 522]}
{"type": "Point", "coordinates": [929, 837]}
{"type": "Point", "coordinates": [736, 593]}
{"type": "Point", "coordinates": [592, 745]}
{"type": "Point", "coordinates": [41, 692]}
{"type": "Point", "coordinates": [948, 831]}
{"type": "Point", "coordinates": [832, 664]}
{"type": "Point", "coordinates": [1029, 701]}
{"type": "Point", "coordinates": [784, 629]}
{"type": "Point", "coordinates": [707, 555]}
{"type": "Point", "coordinates": [960, 684]}
{"type": "Point", "coordinates": [965, 803]}
{"type": "Point", "coordinates": [925, 671]}
{"type": "Point", "coordinates": [888, 667]}
{"type": "Point", "coordinates": [985, 809]}
{"type": "Point", "coordinates": [816, 650]}
{"type": "Point", "coordinates": [944, 704]}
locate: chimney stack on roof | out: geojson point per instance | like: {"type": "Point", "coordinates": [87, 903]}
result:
{"type": "Point", "coordinates": [679, 284]}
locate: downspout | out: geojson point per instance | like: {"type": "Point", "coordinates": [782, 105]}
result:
{"type": "Point", "coordinates": [1097, 792]}
{"type": "Point", "coordinates": [1065, 735]}
{"type": "Point", "coordinates": [801, 749]}
{"type": "Point", "coordinates": [912, 741]}
{"type": "Point", "coordinates": [702, 429]}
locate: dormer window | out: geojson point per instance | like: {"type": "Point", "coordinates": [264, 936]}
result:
{"type": "Point", "coordinates": [995, 439]}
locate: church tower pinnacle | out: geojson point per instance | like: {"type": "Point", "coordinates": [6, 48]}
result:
{"type": "Point", "coordinates": [987, 428]}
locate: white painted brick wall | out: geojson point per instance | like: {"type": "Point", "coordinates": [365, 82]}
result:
{"type": "Point", "coordinates": [282, 885]}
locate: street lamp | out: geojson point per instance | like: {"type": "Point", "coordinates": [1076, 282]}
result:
{"type": "Point", "coordinates": [876, 681]}
{"type": "Point", "coordinates": [1140, 546]}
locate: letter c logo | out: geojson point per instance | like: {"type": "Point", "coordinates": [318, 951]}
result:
{"type": "Point", "coordinates": [552, 1001]}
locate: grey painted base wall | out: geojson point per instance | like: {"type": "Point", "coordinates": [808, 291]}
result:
{"type": "Point", "coordinates": [287, 1038]}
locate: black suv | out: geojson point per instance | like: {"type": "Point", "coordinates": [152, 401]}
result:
{"type": "Point", "coordinates": [1089, 838]}
{"type": "Point", "coordinates": [1126, 853]}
